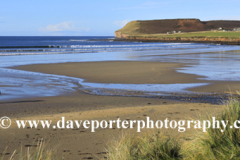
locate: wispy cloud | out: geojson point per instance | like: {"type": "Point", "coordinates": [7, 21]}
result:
{"type": "Point", "coordinates": [58, 27]}
{"type": "Point", "coordinates": [61, 27]}
{"type": "Point", "coordinates": [121, 23]}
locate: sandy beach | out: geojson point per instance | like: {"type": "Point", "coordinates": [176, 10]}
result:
{"type": "Point", "coordinates": [82, 143]}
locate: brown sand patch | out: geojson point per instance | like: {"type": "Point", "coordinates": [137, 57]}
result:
{"type": "Point", "coordinates": [232, 87]}
{"type": "Point", "coordinates": [118, 72]}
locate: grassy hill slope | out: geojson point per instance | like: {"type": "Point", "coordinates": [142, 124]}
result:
{"type": "Point", "coordinates": [161, 27]}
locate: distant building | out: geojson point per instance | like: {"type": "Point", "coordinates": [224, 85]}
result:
{"type": "Point", "coordinates": [236, 29]}
{"type": "Point", "coordinates": [224, 29]}
{"type": "Point", "coordinates": [172, 32]}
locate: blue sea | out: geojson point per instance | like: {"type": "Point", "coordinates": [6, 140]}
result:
{"type": "Point", "coordinates": [69, 45]}
{"type": "Point", "coordinates": [213, 62]}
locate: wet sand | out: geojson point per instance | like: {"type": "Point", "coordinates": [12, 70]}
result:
{"type": "Point", "coordinates": [117, 72]}
{"type": "Point", "coordinates": [133, 73]}
{"type": "Point", "coordinates": [81, 143]}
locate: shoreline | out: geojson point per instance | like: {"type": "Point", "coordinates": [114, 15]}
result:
{"type": "Point", "coordinates": [172, 40]}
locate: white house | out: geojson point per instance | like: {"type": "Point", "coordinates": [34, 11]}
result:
{"type": "Point", "coordinates": [236, 29]}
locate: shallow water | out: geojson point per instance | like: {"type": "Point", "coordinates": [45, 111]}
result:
{"type": "Point", "coordinates": [21, 84]}
{"type": "Point", "coordinates": [214, 62]}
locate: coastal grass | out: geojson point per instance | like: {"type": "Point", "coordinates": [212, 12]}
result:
{"type": "Point", "coordinates": [38, 153]}
{"type": "Point", "coordinates": [213, 144]}
{"type": "Point", "coordinates": [150, 146]}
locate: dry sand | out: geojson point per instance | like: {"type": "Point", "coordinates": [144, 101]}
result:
{"type": "Point", "coordinates": [81, 143]}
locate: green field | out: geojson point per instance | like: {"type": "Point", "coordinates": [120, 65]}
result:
{"type": "Point", "coordinates": [193, 34]}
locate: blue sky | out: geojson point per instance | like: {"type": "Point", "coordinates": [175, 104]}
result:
{"type": "Point", "coordinates": [101, 17]}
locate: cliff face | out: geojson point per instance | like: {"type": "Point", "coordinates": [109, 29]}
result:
{"type": "Point", "coordinates": [167, 25]}
{"type": "Point", "coordinates": [121, 35]}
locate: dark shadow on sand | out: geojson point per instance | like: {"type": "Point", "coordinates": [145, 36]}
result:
{"type": "Point", "coordinates": [22, 101]}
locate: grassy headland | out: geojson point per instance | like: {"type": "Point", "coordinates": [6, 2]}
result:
{"type": "Point", "coordinates": [181, 30]}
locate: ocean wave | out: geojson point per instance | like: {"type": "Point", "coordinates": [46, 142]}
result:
{"type": "Point", "coordinates": [102, 46]}
{"type": "Point", "coordinates": [84, 50]}
{"type": "Point", "coordinates": [62, 49]}
{"type": "Point", "coordinates": [78, 40]}
{"type": "Point", "coordinates": [48, 46]}
{"type": "Point", "coordinates": [133, 45]}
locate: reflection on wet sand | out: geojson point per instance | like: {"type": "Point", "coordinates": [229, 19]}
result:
{"type": "Point", "coordinates": [211, 63]}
